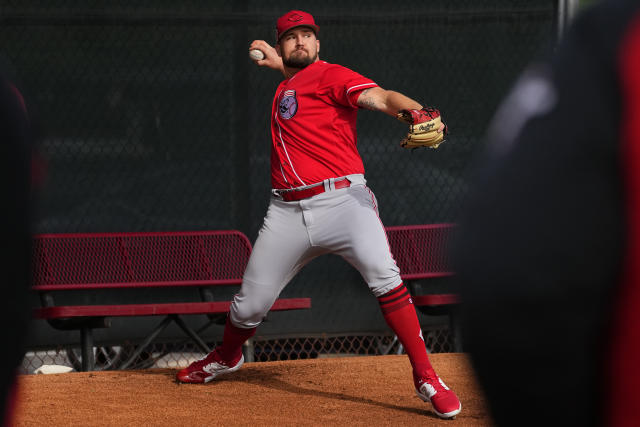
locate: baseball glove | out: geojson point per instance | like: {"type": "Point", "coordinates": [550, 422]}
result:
{"type": "Point", "coordinates": [426, 128]}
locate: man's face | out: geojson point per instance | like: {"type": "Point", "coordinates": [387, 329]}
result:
{"type": "Point", "coordinates": [299, 47]}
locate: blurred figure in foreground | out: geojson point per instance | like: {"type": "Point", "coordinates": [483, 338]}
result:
{"type": "Point", "coordinates": [549, 249]}
{"type": "Point", "coordinates": [15, 222]}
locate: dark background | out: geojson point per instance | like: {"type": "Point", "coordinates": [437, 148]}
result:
{"type": "Point", "coordinates": [151, 117]}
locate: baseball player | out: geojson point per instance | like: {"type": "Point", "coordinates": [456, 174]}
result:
{"type": "Point", "coordinates": [320, 202]}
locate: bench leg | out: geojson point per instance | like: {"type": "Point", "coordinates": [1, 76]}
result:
{"type": "Point", "coordinates": [86, 344]}
{"type": "Point", "coordinates": [165, 322]}
{"type": "Point", "coordinates": [192, 334]}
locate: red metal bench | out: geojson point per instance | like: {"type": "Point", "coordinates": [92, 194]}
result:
{"type": "Point", "coordinates": [421, 253]}
{"type": "Point", "coordinates": [95, 261]}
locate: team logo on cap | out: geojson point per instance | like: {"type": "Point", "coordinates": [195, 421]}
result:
{"type": "Point", "coordinates": [295, 17]}
{"type": "Point", "coordinates": [288, 104]}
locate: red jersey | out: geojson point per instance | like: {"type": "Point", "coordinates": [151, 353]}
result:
{"type": "Point", "coordinates": [313, 125]}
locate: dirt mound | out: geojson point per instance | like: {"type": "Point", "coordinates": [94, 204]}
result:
{"type": "Point", "coordinates": [375, 390]}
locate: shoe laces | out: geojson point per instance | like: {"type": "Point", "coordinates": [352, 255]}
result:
{"type": "Point", "coordinates": [207, 359]}
{"type": "Point", "coordinates": [434, 385]}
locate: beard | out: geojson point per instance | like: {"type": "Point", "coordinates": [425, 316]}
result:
{"type": "Point", "coordinates": [299, 61]}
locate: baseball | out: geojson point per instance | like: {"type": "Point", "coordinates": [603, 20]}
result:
{"type": "Point", "coordinates": [256, 54]}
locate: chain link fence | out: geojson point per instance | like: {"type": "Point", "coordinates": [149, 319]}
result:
{"type": "Point", "coordinates": [259, 349]}
{"type": "Point", "coordinates": [151, 117]}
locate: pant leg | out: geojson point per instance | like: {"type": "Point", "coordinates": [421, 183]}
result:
{"type": "Point", "coordinates": [347, 224]}
{"type": "Point", "coordinates": [280, 251]}
{"type": "Point", "coordinates": [357, 234]}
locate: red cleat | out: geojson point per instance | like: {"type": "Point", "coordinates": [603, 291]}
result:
{"type": "Point", "coordinates": [204, 370]}
{"type": "Point", "coordinates": [432, 389]}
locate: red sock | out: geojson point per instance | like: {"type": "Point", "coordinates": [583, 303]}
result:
{"type": "Point", "coordinates": [232, 341]}
{"type": "Point", "coordinates": [400, 314]}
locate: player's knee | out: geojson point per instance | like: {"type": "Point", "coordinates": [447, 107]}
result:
{"type": "Point", "coordinates": [247, 315]}
{"type": "Point", "coordinates": [381, 287]}
{"type": "Point", "coordinates": [381, 277]}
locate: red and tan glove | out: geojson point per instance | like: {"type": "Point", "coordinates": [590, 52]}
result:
{"type": "Point", "coordinates": [426, 128]}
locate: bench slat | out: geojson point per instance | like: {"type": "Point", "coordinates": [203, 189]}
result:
{"type": "Point", "coordinates": [425, 275]}
{"type": "Point", "coordinates": [436, 299]}
{"type": "Point", "coordinates": [127, 285]}
{"type": "Point", "coordinates": [59, 312]}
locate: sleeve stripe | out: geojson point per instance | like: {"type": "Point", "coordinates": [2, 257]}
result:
{"type": "Point", "coordinates": [358, 88]}
{"type": "Point", "coordinates": [372, 84]}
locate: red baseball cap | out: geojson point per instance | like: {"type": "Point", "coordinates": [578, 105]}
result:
{"type": "Point", "coordinates": [292, 19]}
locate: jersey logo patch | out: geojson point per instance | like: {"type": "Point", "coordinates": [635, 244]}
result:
{"type": "Point", "coordinates": [288, 104]}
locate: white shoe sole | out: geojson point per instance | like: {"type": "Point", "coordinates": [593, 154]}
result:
{"type": "Point", "coordinates": [216, 374]}
{"type": "Point", "coordinates": [450, 414]}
